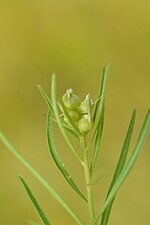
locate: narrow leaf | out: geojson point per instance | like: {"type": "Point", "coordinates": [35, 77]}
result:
{"type": "Point", "coordinates": [57, 116]}
{"type": "Point", "coordinates": [39, 178]}
{"type": "Point", "coordinates": [102, 89]}
{"type": "Point", "coordinates": [99, 131]}
{"type": "Point", "coordinates": [119, 167]}
{"type": "Point", "coordinates": [35, 202]}
{"type": "Point", "coordinates": [131, 161]}
{"type": "Point", "coordinates": [56, 158]}
{"type": "Point", "coordinates": [70, 131]}
{"type": "Point", "coordinates": [100, 122]}
{"type": "Point", "coordinates": [46, 98]}
{"type": "Point", "coordinates": [99, 97]}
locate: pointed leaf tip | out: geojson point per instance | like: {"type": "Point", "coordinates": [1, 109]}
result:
{"type": "Point", "coordinates": [35, 202]}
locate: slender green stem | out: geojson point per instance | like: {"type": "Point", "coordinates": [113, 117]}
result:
{"type": "Point", "coordinates": [88, 182]}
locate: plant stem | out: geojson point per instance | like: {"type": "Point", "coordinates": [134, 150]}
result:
{"type": "Point", "coordinates": [88, 181]}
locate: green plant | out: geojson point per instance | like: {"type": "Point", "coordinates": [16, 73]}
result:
{"type": "Point", "coordinates": [76, 118]}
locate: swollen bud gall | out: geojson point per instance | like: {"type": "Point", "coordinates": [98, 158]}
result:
{"type": "Point", "coordinates": [84, 124]}
{"type": "Point", "coordinates": [74, 115]}
{"type": "Point", "coordinates": [70, 100]}
{"type": "Point", "coordinates": [83, 108]}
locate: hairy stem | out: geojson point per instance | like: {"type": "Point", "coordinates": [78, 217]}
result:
{"type": "Point", "coordinates": [88, 182]}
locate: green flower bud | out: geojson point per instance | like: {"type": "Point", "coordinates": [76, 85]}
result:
{"type": "Point", "coordinates": [70, 100]}
{"type": "Point", "coordinates": [83, 108]}
{"type": "Point", "coordinates": [74, 115]}
{"type": "Point", "coordinates": [84, 124]}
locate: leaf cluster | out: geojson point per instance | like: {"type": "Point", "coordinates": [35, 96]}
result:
{"type": "Point", "coordinates": [123, 166]}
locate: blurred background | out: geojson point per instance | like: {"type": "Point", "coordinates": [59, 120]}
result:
{"type": "Point", "coordinates": [74, 39]}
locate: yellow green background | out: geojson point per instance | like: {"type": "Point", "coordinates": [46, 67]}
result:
{"type": "Point", "coordinates": [74, 39]}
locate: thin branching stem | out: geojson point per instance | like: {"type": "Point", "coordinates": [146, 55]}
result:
{"type": "Point", "coordinates": [88, 181]}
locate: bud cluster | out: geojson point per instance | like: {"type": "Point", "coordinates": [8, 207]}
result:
{"type": "Point", "coordinates": [78, 111]}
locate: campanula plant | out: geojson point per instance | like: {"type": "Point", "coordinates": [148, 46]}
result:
{"type": "Point", "coordinates": [78, 118]}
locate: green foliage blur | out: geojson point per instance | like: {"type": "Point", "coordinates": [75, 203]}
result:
{"type": "Point", "coordinates": [74, 39]}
